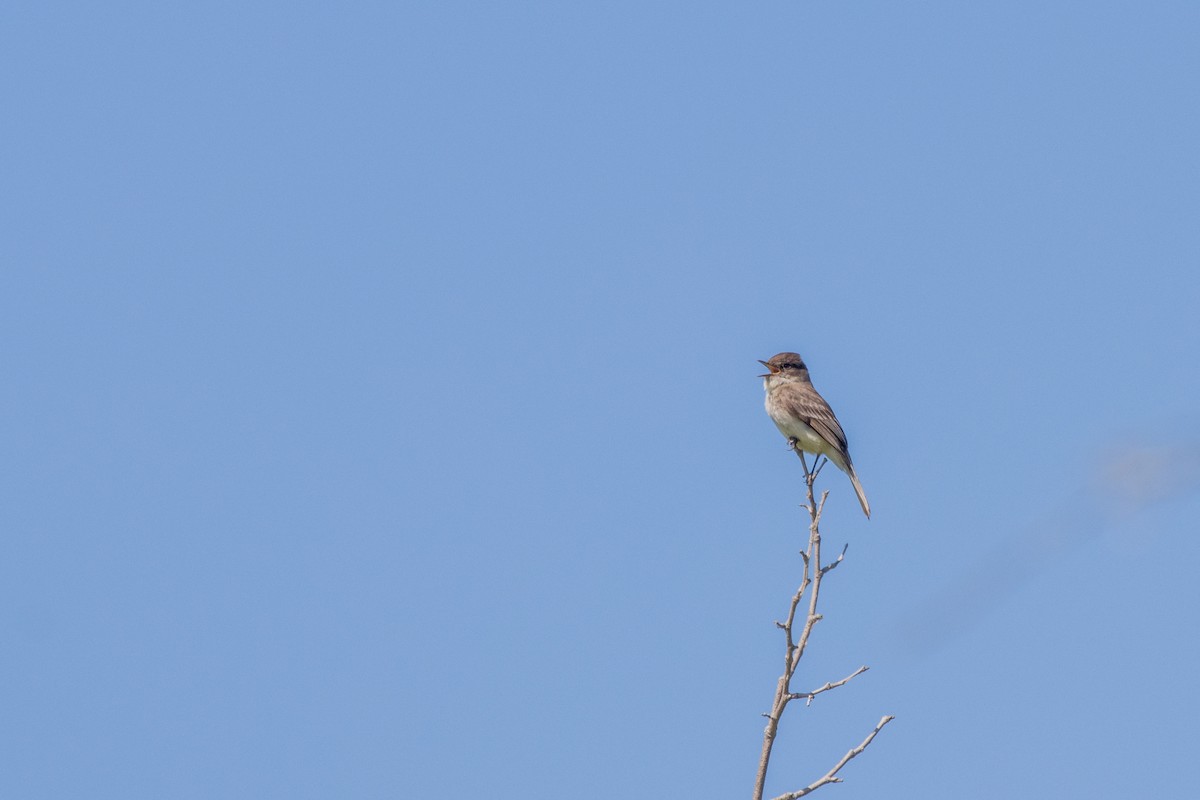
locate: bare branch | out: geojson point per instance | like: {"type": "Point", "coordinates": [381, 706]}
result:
{"type": "Point", "coordinates": [831, 776]}
{"type": "Point", "coordinates": [795, 647]}
{"type": "Point", "coordinates": [835, 684]}
{"type": "Point", "coordinates": [837, 560]}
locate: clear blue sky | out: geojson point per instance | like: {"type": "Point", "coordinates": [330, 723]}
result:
{"type": "Point", "coordinates": [381, 420]}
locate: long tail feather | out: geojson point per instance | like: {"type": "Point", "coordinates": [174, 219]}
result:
{"type": "Point", "coordinates": [862, 496]}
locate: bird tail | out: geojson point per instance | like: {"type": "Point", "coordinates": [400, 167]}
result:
{"type": "Point", "coordinates": [858, 490]}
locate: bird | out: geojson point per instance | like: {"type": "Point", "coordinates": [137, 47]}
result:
{"type": "Point", "coordinates": [803, 416]}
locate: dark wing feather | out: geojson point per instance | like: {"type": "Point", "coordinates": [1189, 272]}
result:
{"type": "Point", "coordinates": [809, 406]}
{"type": "Point", "coordinates": [831, 432]}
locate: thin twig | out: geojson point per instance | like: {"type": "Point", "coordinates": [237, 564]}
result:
{"type": "Point", "coordinates": [837, 560]}
{"type": "Point", "coordinates": [808, 696]}
{"type": "Point", "coordinates": [831, 776]}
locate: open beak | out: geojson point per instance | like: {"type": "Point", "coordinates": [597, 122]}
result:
{"type": "Point", "coordinates": [769, 367]}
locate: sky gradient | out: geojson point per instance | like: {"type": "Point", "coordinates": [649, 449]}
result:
{"type": "Point", "coordinates": [382, 416]}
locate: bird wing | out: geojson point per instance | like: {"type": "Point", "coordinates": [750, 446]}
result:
{"type": "Point", "coordinates": [812, 408]}
{"type": "Point", "coordinates": [831, 432]}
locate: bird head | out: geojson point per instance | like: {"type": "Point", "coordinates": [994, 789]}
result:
{"type": "Point", "coordinates": [787, 363]}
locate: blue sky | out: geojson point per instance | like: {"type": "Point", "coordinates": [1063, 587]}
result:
{"type": "Point", "coordinates": [382, 421]}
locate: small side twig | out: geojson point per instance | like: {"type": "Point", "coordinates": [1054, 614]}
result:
{"type": "Point", "coordinates": [808, 696]}
{"type": "Point", "coordinates": [831, 776]}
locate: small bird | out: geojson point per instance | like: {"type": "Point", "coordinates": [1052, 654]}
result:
{"type": "Point", "coordinates": [803, 416]}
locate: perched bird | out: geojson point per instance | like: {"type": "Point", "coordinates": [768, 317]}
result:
{"type": "Point", "coordinates": [803, 416]}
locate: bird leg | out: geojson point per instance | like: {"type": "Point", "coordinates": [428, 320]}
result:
{"type": "Point", "coordinates": [809, 474]}
{"type": "Point", "coordinates": [794, 443]}
{"type": "Point", "coordinates": [819, 464]}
